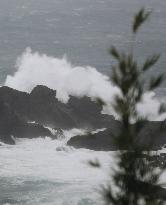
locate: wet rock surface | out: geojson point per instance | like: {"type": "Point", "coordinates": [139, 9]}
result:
{"type": "Point", "coordinates": [19, 109]}
{"type": "Point", "coordinates": [30, 115]}
{"type": "Point", "coordinates": [153, 134]}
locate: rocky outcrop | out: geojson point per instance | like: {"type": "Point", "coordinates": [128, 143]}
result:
{"type": "Point", "coordinates": [101, 141]}
{"type": "Point", "coordinates": [12, 125]}
{"type": "Point", "coordinates": [42, 107]}
{"type": "Point", "coordinates": [17, 109]}
{"type": "Point", "coordinates": [77, 113]}
{"type": "Point", "coordinates": [153, 133]}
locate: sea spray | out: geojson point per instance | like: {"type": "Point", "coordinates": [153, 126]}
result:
{"type": "Point", "coordinates": [59, 74]}
{"type": "Point", "coordinates": [34, 172]}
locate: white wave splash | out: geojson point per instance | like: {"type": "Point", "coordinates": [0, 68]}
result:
{"type": "Point", "coordinates": [34, 69]}
{"type": "Point", "coordinates": [34, 171]}
{"type": "Point", "coordinates": [39, 69]}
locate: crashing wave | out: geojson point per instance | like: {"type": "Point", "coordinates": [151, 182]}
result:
{"type": "Point", "coordinates": [59, 74]}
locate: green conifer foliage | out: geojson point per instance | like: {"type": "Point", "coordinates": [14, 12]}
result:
{"type": "Point", "coordinates": [135, 178]}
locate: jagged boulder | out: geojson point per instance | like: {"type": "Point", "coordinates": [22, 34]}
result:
{"type": "Point", "coordinates": [101, 141]}
{"type": "Point", "coordinates": [153, 133]}
{"type": "Point", "coordinates": [42, 107]}
{"type": "Point", "coordinates": [11, 126]}
{"type": "Point", "coordinates": [17, 109]}
{"type": "Point", "coordinates": [78, 112]}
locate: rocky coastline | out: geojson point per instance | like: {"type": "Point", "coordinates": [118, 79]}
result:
{"type": "Point", "coordinates": [28, 115]}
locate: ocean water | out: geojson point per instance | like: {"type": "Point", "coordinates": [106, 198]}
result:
{"type": "Point", "coordinates": [34, 171]}
{"type": "Point", "coordinates": [48, 172]}
{"type": "Point", "coordinates": [45, 171]}
{"type": "Point", "coordinates": [81, 29]}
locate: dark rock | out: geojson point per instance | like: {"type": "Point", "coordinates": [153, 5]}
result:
{"type": "Point", "coordinates": [17, 109]}
{"type": "Point", "coordinates": [41, 106]}
{"type": "Point", "coordinates": [45, 109]}
{"type": "Point", "coordinates": [8, 139]}
{"type": "Point", "coordinates": [151, 135]}
{"type": "Point", "coordinates": [154, 134]}
{"type": "Point", "coordinates": [12, 125]}
{"type": "Point", "coordinates": [148, 190]}
{"type": "Point", "coordinates": [27, 130]}
{"type": "Point", "coordinates": [101, 141]}
{"type": "Point", "coordinates": [77, 113]}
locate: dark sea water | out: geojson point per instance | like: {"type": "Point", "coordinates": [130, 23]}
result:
{"type": "Point", "coordinates": [33, 172]}
{"type": "Point", "coordinates": [81, 29]}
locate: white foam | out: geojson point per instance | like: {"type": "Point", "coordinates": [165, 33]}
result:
{"type": "Point", "coordinates": [61, 177]}
{"type": "Point", "coordinates": [34, 69]}
{"type": "Point", "coordinates": [39, 69]}
{"type": "Point", "coordinates": [40, 159]}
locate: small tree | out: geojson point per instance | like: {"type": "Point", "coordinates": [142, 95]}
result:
{"type": "Point", "coordinates": [135, 178]}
